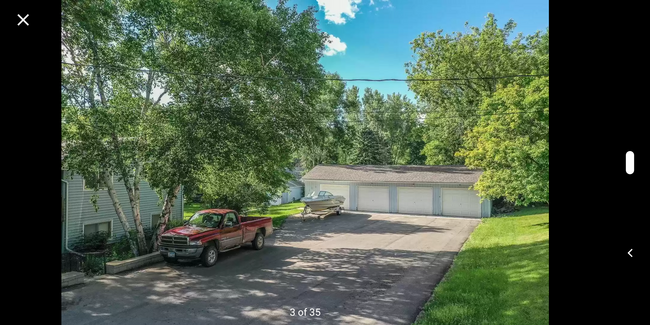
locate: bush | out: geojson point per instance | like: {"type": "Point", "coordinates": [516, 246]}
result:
{"type": "Point", "coordinates": [93, 243]}
{"type": "Point", "coordinates": [93, 265]}
{"type": "Point", "coordinates": [501, 206]}
{"type": "Point", "coordinates": [120, 250]}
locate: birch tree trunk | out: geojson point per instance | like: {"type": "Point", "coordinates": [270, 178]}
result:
{"type": "Point", "coordinates": [134, 199]}
{"type": "Point", "coordinates": [170, 198]}
{"type": "Point", "coordinates": [120, 213]}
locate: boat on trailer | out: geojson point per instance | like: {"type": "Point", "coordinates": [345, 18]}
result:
{"type": "Point", "coordinates": [322, 201]}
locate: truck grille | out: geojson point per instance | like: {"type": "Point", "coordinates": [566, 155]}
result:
{"type": "Point", "coordinates": [175, 240]}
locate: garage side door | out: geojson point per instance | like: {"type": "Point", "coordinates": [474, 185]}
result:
{"type": "Point", "coordinates": [373, 198]}
{"type": "Point", "coordinates": [417, 200]}
{"type": "Point", "coordinates": [295, 193]}
{"type": "Point", "coordinates": [460, 203]}
{"type": "Point", "coordinates": [338, 190]}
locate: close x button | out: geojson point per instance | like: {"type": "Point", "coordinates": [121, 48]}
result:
{"type": "Point", "coordinates": [23, 20]}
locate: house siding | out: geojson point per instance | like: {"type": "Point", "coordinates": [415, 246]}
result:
{"type": "Point", "coordinates": [314, 186]}
{"type": "Point", "coordinates": [81, 211]}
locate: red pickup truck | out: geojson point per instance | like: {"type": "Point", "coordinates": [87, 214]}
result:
{"type": "Point", "coordinates": [213, 231]}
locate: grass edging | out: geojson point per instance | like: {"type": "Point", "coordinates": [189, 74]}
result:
{"type": "Point", "coordinates": [500, 275]}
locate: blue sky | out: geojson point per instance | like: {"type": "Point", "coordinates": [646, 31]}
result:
{"type": "Point", "coordinates": [372, 36]}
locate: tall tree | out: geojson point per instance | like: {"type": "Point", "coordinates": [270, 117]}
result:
{"type": "Point", "coordinates": [354, 122]}
{"type": "Point", "coordinates": [399, 118]}
{"type": "Point", "coordinates": [477, 53]}
{"type": "Point", "coordinates": [107, 106]}
{"type": "Point", "coordinates": [215, 120]}
{"type": "Point", "coordinates": [373, 108]}
{"type": "Point", "coordinates": [330, 140]}
{"type": "Point", "coordinates": [244, 125]}
{"type": "Point", "coordinates": [371, 149]}
{"type": "Point", "coordinates": [513, 149]}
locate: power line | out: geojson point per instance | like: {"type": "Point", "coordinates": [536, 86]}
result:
{"type": "Point", "coordinates": [231, 76]}
{"type": "Point", "coordinates": [457, 116]}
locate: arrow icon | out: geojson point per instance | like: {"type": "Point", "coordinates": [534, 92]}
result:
{"type": "Point", "coordinates": [628, 253]}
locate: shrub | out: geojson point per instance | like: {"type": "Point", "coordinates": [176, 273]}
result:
{"type": "Point", "coordinates": [93, 265]}
{"type": "Point", "coordinates": [120, 250]}
{"type": "Point", "coordinates": [93, 243]}
{"type": "Point", "coordinates": [500, 206]}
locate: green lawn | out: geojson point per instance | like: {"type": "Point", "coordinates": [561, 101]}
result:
{"type": "Point", "coordinates": [189, 209]}
{"type": "Point", "coordinates": [499, 277]}
{"type": "Point", "coordinates": [280, 212]}
{"type": "Point", "coordinates": [277, 212]}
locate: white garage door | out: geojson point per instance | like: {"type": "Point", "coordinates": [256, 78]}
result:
{"type": "Point", "coordinates": [373, 198]}
{"type": "Point", "coordinates": [418, 200]}
{"type": "Point", "coordinates": [343, 190]}
{"type": "Point", "coordinates": [460, 202]}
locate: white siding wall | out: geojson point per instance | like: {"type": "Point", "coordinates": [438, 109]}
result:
{"type": "Point", "coordinates": [311, 185]}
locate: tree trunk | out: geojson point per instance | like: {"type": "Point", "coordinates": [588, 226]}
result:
{"type": "Point", "coordinates": [166, 212]}
{"type": "Point", "coordinates": [118, 209]}
{"type": "Point", "coordinates": [134, 199]}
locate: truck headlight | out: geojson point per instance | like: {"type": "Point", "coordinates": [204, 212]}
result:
{"type": "Point", "coordinates": [197, 243]}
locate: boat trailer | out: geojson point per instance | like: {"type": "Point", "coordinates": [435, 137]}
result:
{"type": "Point", "coordinates": [320, 214]}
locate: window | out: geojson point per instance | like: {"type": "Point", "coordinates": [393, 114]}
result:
{"type": "Point", "coordinates": [155, 219]}
{"type": "Point", "coordinates": [231, 219]}
{"type": "Point", "coordinates": [90, 183]}
{"type": "Point", "coordinates": [206, 219]}
{"type": "Point", "coordinates": [324, 193]}
{"type": "Point", "coordinates": [90, 229]}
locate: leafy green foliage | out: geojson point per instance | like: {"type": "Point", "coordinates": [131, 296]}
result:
{"type": "Point", "coordinates": [371, 149]}
{"type": "Point", "coordinates": [93, 243]}
{"type": "Point", "coordinates": [112, 124]}
{"type": "Point", "coordinates": [513, 149]}
{"type": "Point", "coordinates": [452, 106]}
{"type": "Point", "coordinates": [93, 265]}
{"type": "Point", "coordinates": [394, 118]}
{"type": "Point", "coordinates": [238, 190]}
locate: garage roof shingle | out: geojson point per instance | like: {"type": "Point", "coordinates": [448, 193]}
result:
{"type": "Point", "coordinates": [394, 173]}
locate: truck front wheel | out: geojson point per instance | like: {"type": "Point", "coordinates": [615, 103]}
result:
{"type": "Point", "coordinates": [258, 242]}
{"type": "Point", "coordinates": [209, 256]}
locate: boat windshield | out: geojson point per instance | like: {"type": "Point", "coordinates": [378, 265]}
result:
{"type": "Point", "coordinates": [324, 193]}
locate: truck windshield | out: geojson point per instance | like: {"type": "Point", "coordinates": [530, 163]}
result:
{"type": "Point", "coordinates": [206, 219]}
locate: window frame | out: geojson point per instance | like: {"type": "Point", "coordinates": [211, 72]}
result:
{"type": "Point", "coordinates": [84, 224]}
{"type": "Point", "coordinates": [151, 225]}
{"type": "Point", "coordinates": [225, 219]}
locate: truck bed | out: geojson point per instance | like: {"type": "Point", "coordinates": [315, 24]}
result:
{"type": "Point", "coordinates": [248, 219]}
{"type": "Point", "coordinates": [251, 224]}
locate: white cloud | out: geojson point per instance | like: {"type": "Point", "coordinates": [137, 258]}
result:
{"type": "Point", "coordinates": [372, 2]}
{"type": "Point", "coordinates": [389, 5]}
{"type": "Point", "coordinates": [334, 45]}
{"type": "Point", "coordinates": [335, 9]}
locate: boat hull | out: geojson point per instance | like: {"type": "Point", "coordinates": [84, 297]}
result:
{"type": "Point", "coordinates": [316, 204]}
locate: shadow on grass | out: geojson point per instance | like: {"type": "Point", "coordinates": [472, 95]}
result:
{"type": "Point", "coordinates": [543, 225]}
{"type": "Point", "coordinates": [498, 285]}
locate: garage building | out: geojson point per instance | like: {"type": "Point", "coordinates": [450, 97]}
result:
{"type": "Point", "coordinates": [427, 190]}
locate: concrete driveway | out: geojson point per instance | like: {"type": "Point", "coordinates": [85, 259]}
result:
{"type": "Point", "coordinates": [357, 268]}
